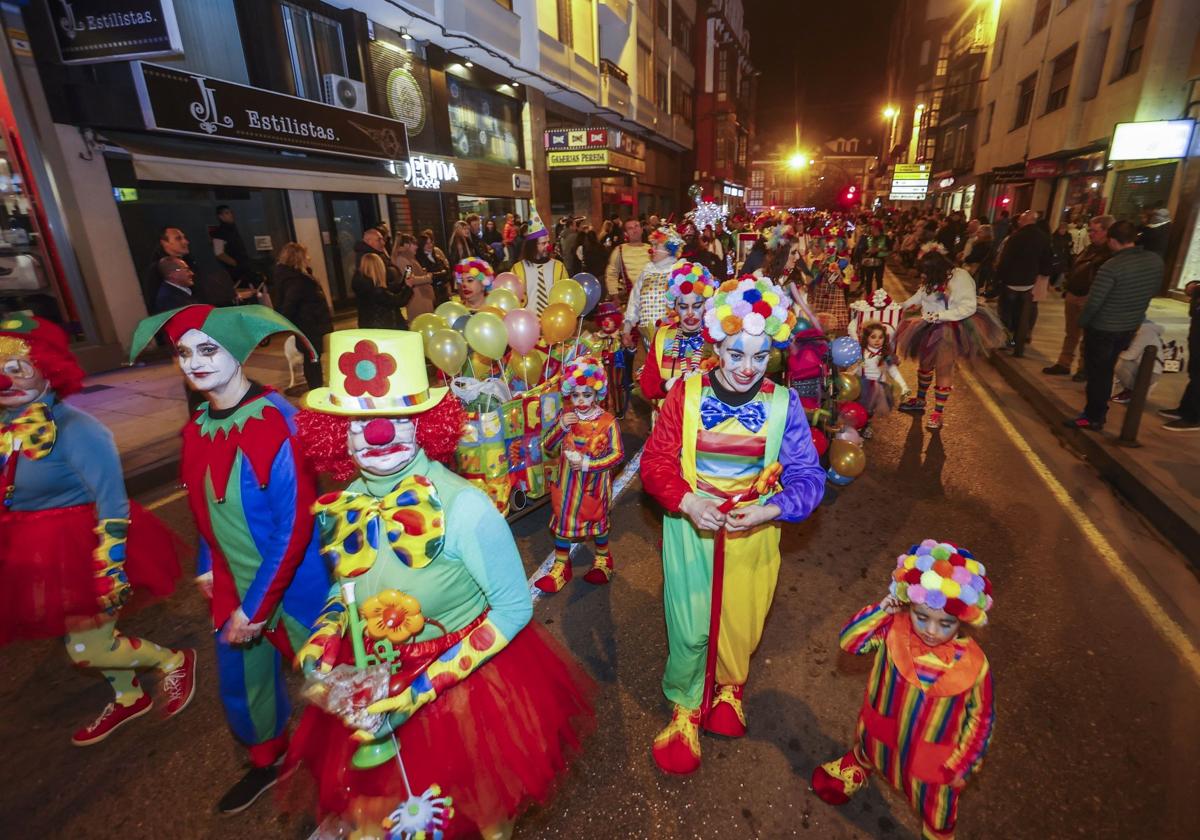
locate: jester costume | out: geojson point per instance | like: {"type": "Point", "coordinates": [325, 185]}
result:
{"type": "Point", "coordinates": [72, 546]}
{"type": "Point", "coordinates": [927, 714]}
{"type": "Point", "coordinates": [251, 492]}
{"type": "Point", "coordinates": [484, 707]}
{"type": "Point", "coordinates": [738, 449]}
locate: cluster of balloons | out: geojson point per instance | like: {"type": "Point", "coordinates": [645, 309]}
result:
{"type": "Point", "coordinates": [846, 457]}
{"type": "Point", "coordinates": [451, 330]}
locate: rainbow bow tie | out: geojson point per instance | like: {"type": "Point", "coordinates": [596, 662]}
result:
{"type": "Point", "coordinates": [409, 518]}
{"type": "Point", "coordinates": [32, 432]}
{"type": "Point", "coordinates": [713, 412]}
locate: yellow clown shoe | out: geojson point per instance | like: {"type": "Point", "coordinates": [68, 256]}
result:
{"type": "Point", "coordinates": [836, 781]}
{"type": "Point", "coordinates": [676, 749]}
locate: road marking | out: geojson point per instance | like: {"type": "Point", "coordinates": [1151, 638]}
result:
{"type": "Point", "coordinates": [1170, 630]}
{"type": "Point", "coordinates": [619, 485]}
{"type": "Point", "coordinates": [166, 500]}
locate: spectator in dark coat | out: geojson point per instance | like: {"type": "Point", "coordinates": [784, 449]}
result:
{"type": "Point", "coordinates": [300, 299]}
{"type": "Point", "coordinates": [381, 293]}
{"type": "Point", "coordinates": [432, 259]}
{"type": "Point", "coordinates": [1024, 258]}
{"type": "Point", "coordinates": [175, 287]}
{"type": "Point", "coordinates": [171, 243]}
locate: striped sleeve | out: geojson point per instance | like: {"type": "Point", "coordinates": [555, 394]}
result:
{"type": "Point", "coordinates": [977, 728]}
{"type": "Point", "coordinates": [613, 450]}
{"type": "Point", "coordinates": [866, 631]}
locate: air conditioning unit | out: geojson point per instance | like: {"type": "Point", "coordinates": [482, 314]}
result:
{"type": "Point", "coordinates": [345, 93]}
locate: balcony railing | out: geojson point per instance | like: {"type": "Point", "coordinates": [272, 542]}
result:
{"type": "Point", "coordinates": [607, 68]}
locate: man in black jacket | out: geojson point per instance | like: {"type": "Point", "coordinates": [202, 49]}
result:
{"type": "Point", "coordinates": [175, 289]}
{"type": "Point", "coordinates": [171, 243]}
{"type": "Point", "coordinates": [379, 305]}
{"type": "Point", "coordinates": [1027, 256]}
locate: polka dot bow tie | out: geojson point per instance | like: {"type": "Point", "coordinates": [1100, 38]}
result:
{"type": "Point", "coordinates": [32, 432]}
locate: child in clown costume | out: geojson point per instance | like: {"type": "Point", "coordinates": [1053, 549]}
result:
{"type": "Point", "coordinates": [251, 493]}
{"type": "Point", "coordinates": [73, 548]}
{"type": "Point", "coordinates": [484, 706]}
{"type": "Point", "coordinates": [730, 458]}
{"type": "Point", "coordinates": [927, 714]}
{"type": "Point", "coordinates": [590, 443]}
{"type": "Point", "coordinates": [677, 349]}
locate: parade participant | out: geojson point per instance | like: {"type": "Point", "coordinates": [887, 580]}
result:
{"type": "Point", "coordinates": [678, 347]}
{"type": "Point", "coordinates": [927, 714]}
{"type": "Point", "coordinates": [473, 277]}
{"type": "Point", "coordinates": [827, 292]}
{"type": "Point", "coordinates": [606, 345]}
{"type": "Point", "coordinates": [486, 708]}
{"type": "Point", "coordinates": [626, 262]}
{"type": "Point", "coordinates": [648, 298]}
{"type": "Point", "coordinates": [878, 365]}
{"type": "Point", "coordinates": [537, 270]}
{"type": "Point", "coordinates": [73, 548]}
{"type": "Point", "coordinates": [589, 441]}
{"type": "Point", "coordinates": [722, 446]}
{"type": "Point", "coordinates": [251, 493]}
{"type": "Point", "coordinates": [949, 327]}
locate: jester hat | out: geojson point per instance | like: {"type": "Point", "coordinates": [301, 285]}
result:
{"type": "Point", "coordinates": [239, 329]}
{"type": "Point", "coordinates": [753, 305]}
{"type": "Point", "coordinates": [47, 347]}
{"type": "Point", "coordinates": [943, 576]}
{"type": "Point", "coordinates": [585, 372]}
{"type": "Point", "coordinates": [689, 278]}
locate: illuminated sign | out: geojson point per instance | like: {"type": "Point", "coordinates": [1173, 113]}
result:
{"type": "Point", "coordinates": [910, 182]}
{"type": "Point", "coordinates": [1151, 140]}
{"type": "Point", "coordinates": [589, 157]}
{"type": "Point", "coordinates": [426, 173]}
{"type": "Point", "coordinates": [576, 138]}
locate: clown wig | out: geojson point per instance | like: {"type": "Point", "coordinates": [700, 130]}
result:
{"type": "Point", "coordinates": [47, 348]}
{"type": "Point", "coordinates": [689, 278]}
{"type": "Point", "coordinates": [477, 268]}
{"type": "Point", "coordinates": [585, 372]}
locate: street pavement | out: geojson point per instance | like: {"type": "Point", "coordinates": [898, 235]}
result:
{"type": "Point", "coordinates": [1092, 645]}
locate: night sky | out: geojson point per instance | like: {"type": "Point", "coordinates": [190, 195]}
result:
{"type": "Point", "coordinates": [841, 46]}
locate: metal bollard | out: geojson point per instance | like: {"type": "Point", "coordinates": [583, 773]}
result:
{"type": "Point", "coordinates": [1137, 403]}
{"type": "Point", "coordinates": [1024, 315]}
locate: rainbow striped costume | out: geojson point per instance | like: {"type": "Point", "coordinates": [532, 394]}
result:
{"type": "Point", "coordinates": [925, 722]}
{"type": "Point", "coordinates": [582, 497]}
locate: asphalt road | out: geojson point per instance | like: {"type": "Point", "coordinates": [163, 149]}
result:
{"type": "Point", "coordinates": [1098, 727]}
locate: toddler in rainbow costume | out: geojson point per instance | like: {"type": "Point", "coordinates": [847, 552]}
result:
{"type": "Point", "coordinates": [927, 714]}
{"type": "Point", "coordinates": [589, 441]}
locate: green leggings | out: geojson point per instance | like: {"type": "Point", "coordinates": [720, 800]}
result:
{"type": "Point", "coordinates": [118, 658]}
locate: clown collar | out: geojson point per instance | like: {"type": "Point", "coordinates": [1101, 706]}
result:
{"type": "Point", "coordinates": [214, 420]}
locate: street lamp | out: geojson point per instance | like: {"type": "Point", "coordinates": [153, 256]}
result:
{"type": "Point", "coordinates": [798, 161]}
{"type": "Point", "coordinates": [889, 113]}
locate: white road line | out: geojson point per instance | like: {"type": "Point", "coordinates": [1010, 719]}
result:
{"type": "Point", "coordinates": [166, 500]}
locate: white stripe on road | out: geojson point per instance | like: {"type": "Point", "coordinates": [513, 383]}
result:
{"type": "Point", "coordinates": [166, 500]}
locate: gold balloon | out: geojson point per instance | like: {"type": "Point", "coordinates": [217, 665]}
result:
{"type": "Point", "coordinates": [451, 310]}
{"type": "Point", "coordinates": [427, 323]}
{"type": "Point", "coordinates": [848, 388]}
{"type": "Point", "coordinates": [528, 368]}
{"type": "Point", "coordinates": [486, 334]}
{"type": "Point", "coordinates": [447, 350]}
{"type": "Point", "coordinates": [504, 300]}
{"type": "Point", "coordinates": [494, 310]}
{"type": "Point", "coordinates": [558, 321]}
{"type": "Point", "coordinates": [846, 458]}
{"type": "Point", "coordinates": [775, 361]}
{"type": "Point", "coordinates": [571, 293]}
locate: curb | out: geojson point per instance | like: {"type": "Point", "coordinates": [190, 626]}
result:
{"type": "Point", "coordinates": [1149, 497]}
{"type": "Point", "coordinates": [152, 476]}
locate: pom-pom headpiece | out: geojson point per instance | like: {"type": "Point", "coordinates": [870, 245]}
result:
{"type": "Point", "coordinates": [585, 372]}
{"type": "Point", "coordinates": [779, 236]}
{"type": "Point", "coordinates": [943, 576]}
{"type": "Point", "coordinates": [668, 239]}
{"type": "Point", "coordinates": [689, 278]}
{"type": "Point", "coordinates": [752, 305]}
{"type": "Point", "coordinates": [476, 269]}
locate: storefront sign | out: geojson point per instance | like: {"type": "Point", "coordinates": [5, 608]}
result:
{"type": "Point", "coordinates": [522, 182]}
{"type": "Point", "coordinates": [1151, 140]}
{"type": "Point", "coordinates": [562, 160]}
{"type": "Point", "coordinates": [1012, 174]}
{"type": "Point", "coordinates": [184, 103]}
{"type": "Point", "coordinates": [910, 182]}
{"type": "Point", "coordinates": [576, 138]}
{"type": "Point", "coordinates": [1043, 168]}
{"type": "Point", "coordinates": [945, 183]}
{"type": "Point", "coordinates": [426, 173]}
{"type": "Point", "coordinates": [91, 31]}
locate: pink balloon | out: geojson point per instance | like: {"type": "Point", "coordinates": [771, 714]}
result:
{"type": "Point", "coordinates": [510, 281]}
{"type": "Point", "coordinates": [523, 330]}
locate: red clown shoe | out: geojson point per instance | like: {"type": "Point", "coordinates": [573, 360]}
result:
{"type": "Point", "coordinates": [836, 781]}
{"type": "Point", "coordinates": [601, 571]}
{"type": "Point", "coordinates": [677, 748]}
{"type": "Point", "coordinates": [726, 716]}
{"type": "Point", "coordinates": [554, 580]}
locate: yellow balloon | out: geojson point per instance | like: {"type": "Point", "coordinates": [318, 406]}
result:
{"type": "Point", "coordinates": [486, 334]}
{"type": "Point", "coordinates": [495, 310]}
{"type": "Point", "coordinates": [571, 293]}
{"type": "Point", "coordinates": [504, 300]}
{"type": "Point", "coordinates": [447, 350]}
{"type": "Point", "coordinates": [848, 388]}
{"type": "Point", "coordinates": [846, 458]}
{"type": "Point", "coordinates": [558, 321]}
{"type": "Point", "coordinates": [528, 368]}
{"type": "Point", "coordinates": [427, 323]}
{"type": "Point", "coordinates": [451, 311]}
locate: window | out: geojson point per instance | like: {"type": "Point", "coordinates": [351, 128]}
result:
{"type": "Point", "coordinates": [1041, 14]}
{"type": "Point", "coordinates": [987, 123]}
{"type": "Point", "coordinates": [743, 149]}
{"type": "Point", "coordinates": [682, 97]}
{"type": "Point", "coordinates": [1060, 79]}
{"type": "Point", "coordinates": [962, 151]}
{"type": "Point", "coordinates": [547, 17]}
{"type": "Point", "coordinates": [722, 74]}
{"type": "Point", "coordinates": [660, 87]}
{"type": "Point", "coordinates": [943, 58]}
{"type": "Point", "coordinates": [315, 48]}
{"type": "Point", "coordinates": [661, 16]}
{"type": "Point", "coordinates": [681, 30]}
{"type": "Point", "coordinates": [645, 72]}
{"type": "Point", "coordinates": [1024, 100]}
{"type": "Point", "coordinates": [583, 30]}
{"type": "Point", "coordinates": [1136, 41]}
{"type": "Point", "coordinates": [1089, 82]}
{"type": "Point", "coordinates": [1001, 40]}
{"type": "Point", "coordinates": [484, 125]}
{"type": "Point", "coordinates": [722, 153]}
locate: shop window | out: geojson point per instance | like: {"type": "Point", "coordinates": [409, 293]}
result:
{"type": "Point", "coordinates": [484, 125]}
{"type": "Point", "coordinates": [402, 86]}
{"type": "Point", "coordinates": [987, 123]}
{"type": "Point", "coordinates": [1138, 190]}
{"type": "Point", "coordinates": [1139, 14]}
{"type": "Point", "coordinates": [314, 44]}
{"type": "Point", "coordinates": [645, 69]}
{"type": "Point", "coordinates": [1089, 83]}
{"type": "Point", "coordinates": [1025, 91]}
{"type": "Point", "coordinates": [1060, 78]}
{"type": "Point", "coordinates": [1041, 14]}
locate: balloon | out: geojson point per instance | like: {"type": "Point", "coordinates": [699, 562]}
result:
{"type": "Point", "coordinates": [846, 458]}
{"type": "Point", "coordinates": [523, 330]}
{"type": "Point", "coordinates": [558, 321]}
{"type": "Point", "coordinates": [775, 361]}
{"type": "Point", "coordinates": [508, 281]}
{"type": "Point", "coordinates": [820, 442]}
{"type": "Point", "coordinates": [853, 414]}
{"type": "Point", "coordinates": [451, 310]}
{"type": "Point", "coordinates": [505, 299]}
{"type": "Point", "coordinates": [851, 435]}
{"type": "Point", "coordinates": [837, 478]}
{"type": "Point", "coordinates": [848, 387]}
{"type": "Point", "coordinates": [447, 350]}
{"type": "Point", "coordinates": [591, 288]}
{"type": "Point", "coordinates": [528, 367]}
{"type": "Point", "coordinates": [571, 293]}
{"type": "Point", "coordinates": [846, 351]}
{"type": "Point", "coordinates": [486, 334]}
{"type": "Point", "coordinates": [460, 324]}
{"type": "Point", "coordinates": [427, 323]}
{"type": "Point", "coordinates": [494, 310]}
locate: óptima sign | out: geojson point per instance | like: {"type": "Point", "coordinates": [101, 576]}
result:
{"type": "Point", "coordinates": [426, 173]}
{"type": "Point", "coordinates": [92, 31]}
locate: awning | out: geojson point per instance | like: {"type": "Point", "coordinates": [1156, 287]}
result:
{"type": "Point", "coordinates": [172, 159]}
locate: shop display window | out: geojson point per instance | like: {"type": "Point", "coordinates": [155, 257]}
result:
{"type": "Point", "coordinates": [483, 125]}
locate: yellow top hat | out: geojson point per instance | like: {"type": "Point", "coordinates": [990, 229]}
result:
{"type": "Point", "coordinates": [375, 372]}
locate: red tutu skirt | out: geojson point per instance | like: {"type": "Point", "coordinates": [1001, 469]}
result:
{"type": "Point", "coordinates": [496, 743]}
{"type": "Point", "coordinates": [46, 568]}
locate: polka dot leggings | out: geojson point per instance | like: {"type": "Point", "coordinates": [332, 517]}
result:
{"type": "Point", "coordinates": [118, 658]}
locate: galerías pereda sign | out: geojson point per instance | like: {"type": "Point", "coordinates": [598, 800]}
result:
{"type": "Point", "coordinates": [92, 31]}
{"type": "Point", "coordinates": [187, 103]}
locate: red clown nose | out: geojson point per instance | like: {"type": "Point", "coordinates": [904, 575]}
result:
{"type": "Point", "coordinates": [379, 432]}
{"type": "Point", "coordinates": [5, 382]}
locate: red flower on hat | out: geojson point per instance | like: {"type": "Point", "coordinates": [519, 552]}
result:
{"type": "Point", "coordinates": [366, 369]}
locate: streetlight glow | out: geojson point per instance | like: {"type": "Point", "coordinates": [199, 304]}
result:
{"type": "Point", "coordinates": [798, 161]}
{"type": "Point", "coordinates": [889, 112]}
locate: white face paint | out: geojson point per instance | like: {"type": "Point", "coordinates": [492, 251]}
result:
{"type": "Point", "coordinates": [20, 381]}
{"type": "Point", "coordinates": [743, 360]}
{"type": "Point", "coordinates": [206, 365]}
{"type": "Point", "coordinates": [582, 400]}
{"type": "Point", "coordinates": [382, 445]}
{"type": "Point", "coordinates": [691, 312]}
